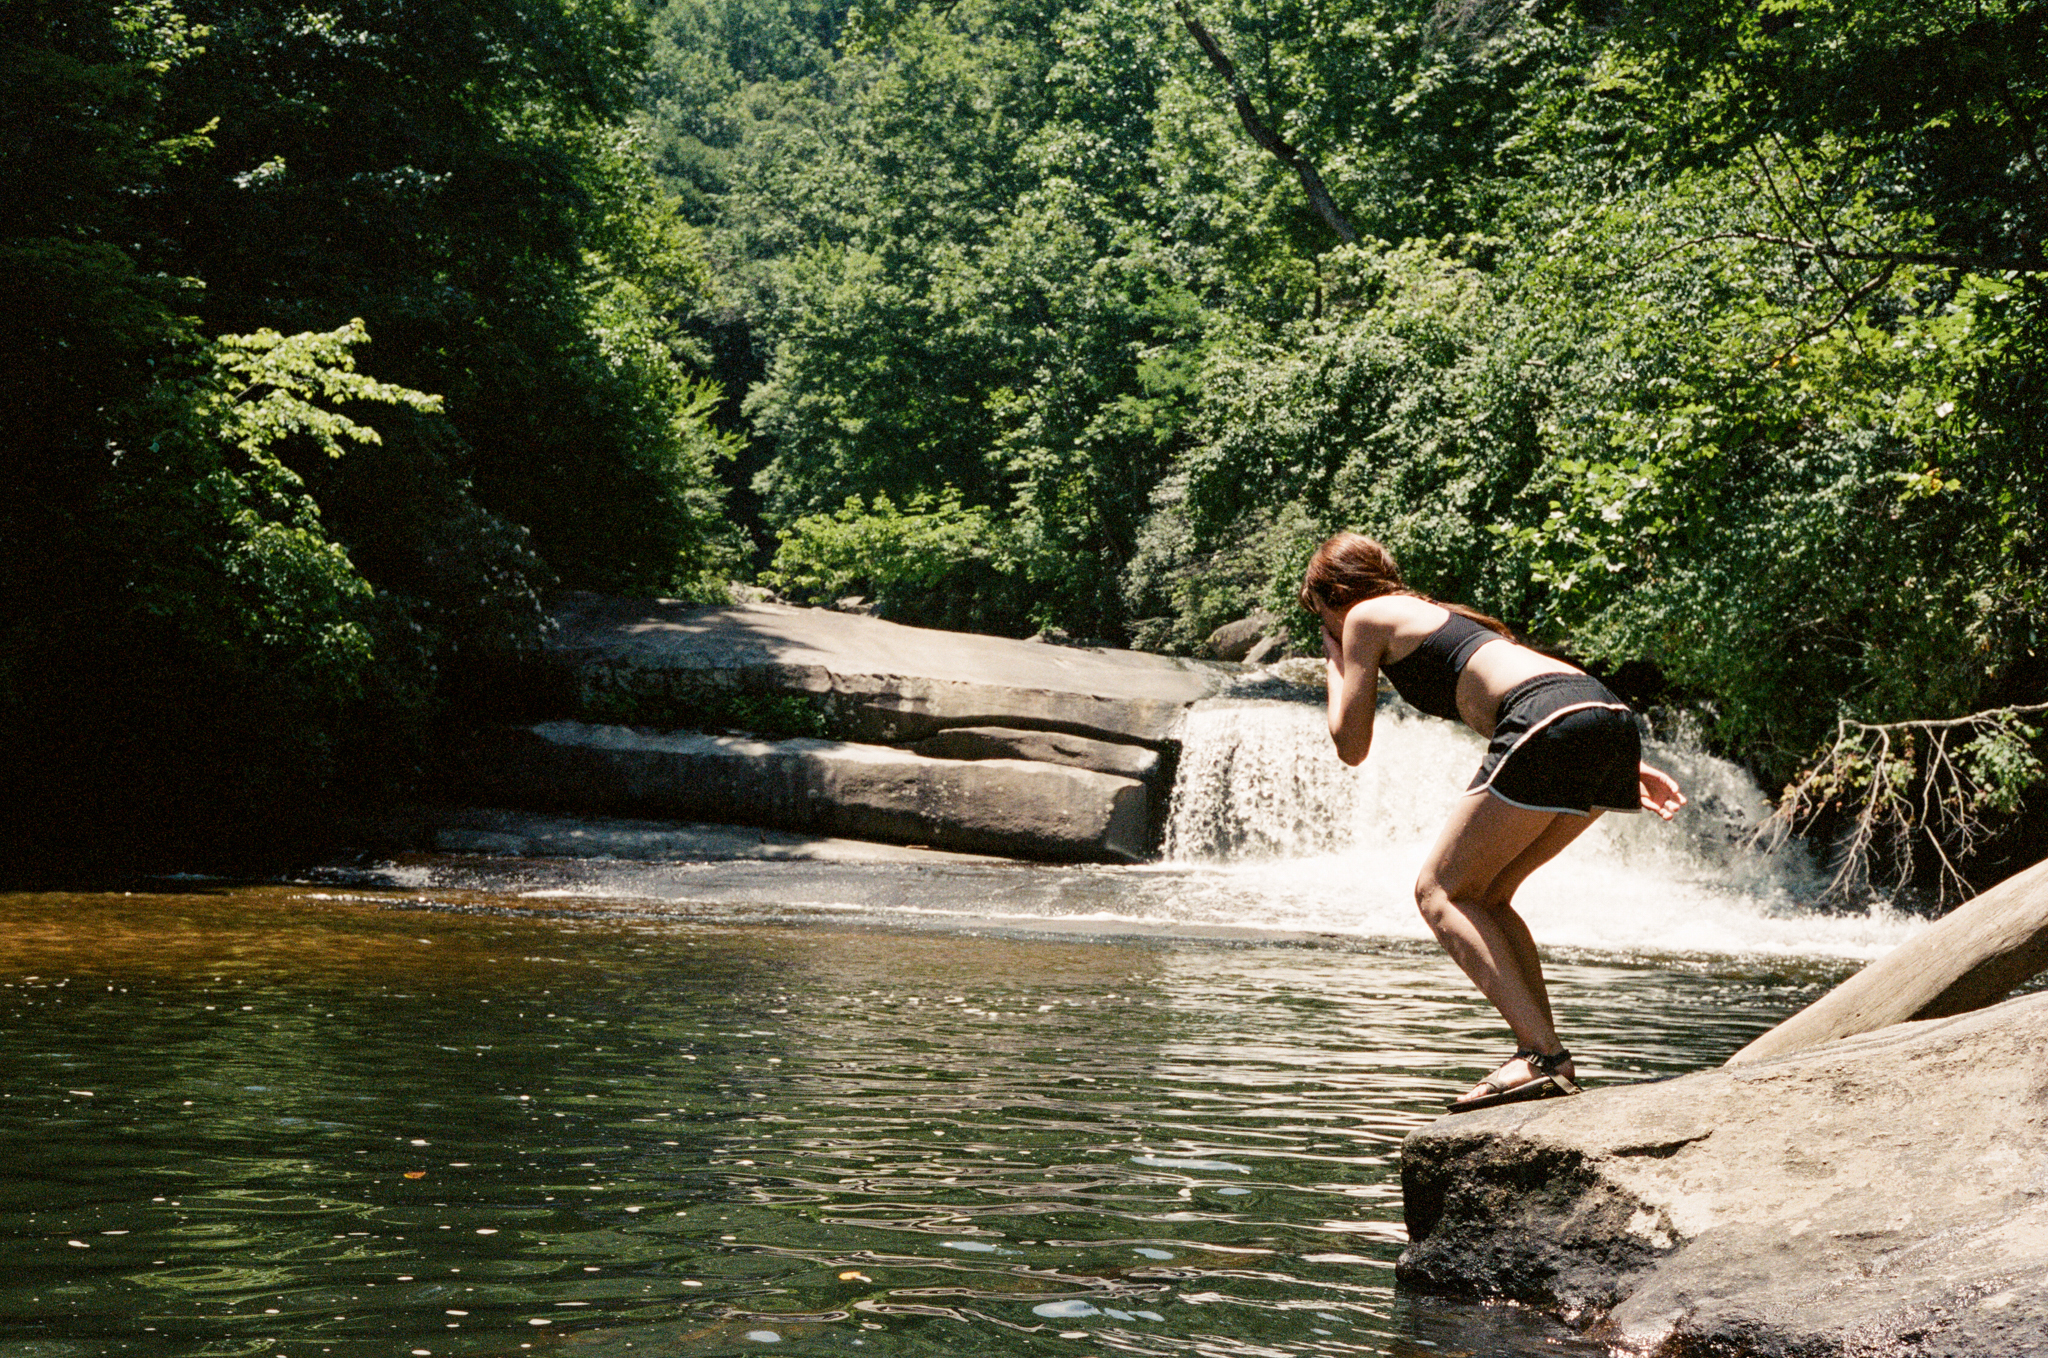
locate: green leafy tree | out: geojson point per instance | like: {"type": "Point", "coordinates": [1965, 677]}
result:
{"type": "Point", "coordinates": [891, 555]}
{"type": "Point", "coordinates": [217, 631]}
{"type": "Point", "coordinates": [974, 205]}
{"type": "Point", "coordinates": [1703, 341]}
{"type": "Point", "coordinates": [459, 178]}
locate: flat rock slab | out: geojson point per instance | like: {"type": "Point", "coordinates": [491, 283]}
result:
{"type": "Point", "coordinates": [1046, 747]}
{"type": "Point", "coordinates": [1886, 1194]}
{"type": "Point", "coordinates": [877, 681]}
{"type": "Point", "coordinates": [1011, 807]}
{"type": "Point", "coordinates": [505, 833]}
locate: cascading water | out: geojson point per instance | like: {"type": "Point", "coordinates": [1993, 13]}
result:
{"type": "Point", "coordinates": [1269, 835]}
{"type": "Point", "coordinates": [1264, 808]}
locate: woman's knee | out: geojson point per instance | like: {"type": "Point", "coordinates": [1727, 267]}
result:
{"type": "Point", "coordinates": [1437, 901]}
{"type": "Point", "coordinates": [1432, 898]}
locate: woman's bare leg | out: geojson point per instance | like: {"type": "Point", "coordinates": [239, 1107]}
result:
{"type": "Point", "coordinates": [1499, 896]}
{"type": "Point", "coordinates": [1487, 849]}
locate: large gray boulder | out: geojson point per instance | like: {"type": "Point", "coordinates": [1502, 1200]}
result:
{"type": "Point", "coordinates": [1884, 1194]}
{"type": "Point", "coordinates": [1237, 640]}
{"type": "Point", "coordinates": [1013, 807]}
{"type": "Point", "coordinates": [658, 662]}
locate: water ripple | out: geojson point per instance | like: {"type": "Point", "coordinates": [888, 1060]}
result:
{"type": "Point", "coordinates": [318, 1127]}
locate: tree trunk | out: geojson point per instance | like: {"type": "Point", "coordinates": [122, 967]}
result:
{"type": "Point", "coordinates": [1972, 957]}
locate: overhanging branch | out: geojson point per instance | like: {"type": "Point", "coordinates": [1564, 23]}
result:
{"type": "Point", "coordinates": [1906, 782]}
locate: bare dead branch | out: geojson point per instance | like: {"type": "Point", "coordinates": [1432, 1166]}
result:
{"type": "Point", "coordinates": [1904, 784]}
{"type": "Point", "coordinates": [2024, 127]}
{"type": "Point", "coordinates": [1846, 309]}
{"type": "Point", "coordinates": [1465, 23]}
{"type": "Point", "coordinates": [1264, 135]}
{"type": "Point", "coordinates": [1935, 259]}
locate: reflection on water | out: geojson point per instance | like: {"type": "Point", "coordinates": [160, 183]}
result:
{"type": "Point", "coordinates": [315, 1120]}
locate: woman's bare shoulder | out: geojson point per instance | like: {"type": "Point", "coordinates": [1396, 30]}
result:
{"type": "Point", "coordinates": [1390, 625]}
{"type": "Point", "coordinates": [1397, 613]}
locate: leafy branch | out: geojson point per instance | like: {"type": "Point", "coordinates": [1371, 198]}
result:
{"type": "Point", "coordinates": [1907, 784]}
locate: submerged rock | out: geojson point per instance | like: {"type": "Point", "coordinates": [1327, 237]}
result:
{"type": "Point", "coordinates": [1885, 1194]}
{"type": "Point", "coordinates": [503, 833]}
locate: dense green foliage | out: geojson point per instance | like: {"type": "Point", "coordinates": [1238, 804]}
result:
{"type": "Point", "coordinates": [1704, 340]}
{"type": "Point", "coordinates": [235, 571]}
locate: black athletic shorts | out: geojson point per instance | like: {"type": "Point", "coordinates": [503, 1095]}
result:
{"type": "Point", "coordinates": [1563, 742]}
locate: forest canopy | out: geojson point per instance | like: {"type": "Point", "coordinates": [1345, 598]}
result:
{"type": "Point", "coordinates": [336, 334]}
{"type": "Point", "coordinates": [1705, 342]}
{"type": "Point", "coordinates": [1701, 340]}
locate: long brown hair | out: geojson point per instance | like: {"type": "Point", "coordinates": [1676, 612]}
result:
{"type": "Point", "coordinates": [1349, 567]}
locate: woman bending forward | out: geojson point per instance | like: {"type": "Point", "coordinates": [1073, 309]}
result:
{"type": "Point", "coordinates": [1562, 750]}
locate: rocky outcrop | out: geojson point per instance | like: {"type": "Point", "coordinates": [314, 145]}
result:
{"type": "Point", "coordinates": [779, 716]}
{"type": "Point", "coordinates": [1884, 1194]}
{"type": "Point", "coordinates": [1254, 639]}
{"type": "Point", "coordinates": [662, 663]}
{"type": "Point", "coordinates": [1013, 807]}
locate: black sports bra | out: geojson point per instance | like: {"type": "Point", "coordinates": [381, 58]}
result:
{"type": "Point", "coordinates": [1428, 675]}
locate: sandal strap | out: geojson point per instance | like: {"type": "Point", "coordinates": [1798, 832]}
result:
{"type": "Point", "coordinates": [1543, 1064]}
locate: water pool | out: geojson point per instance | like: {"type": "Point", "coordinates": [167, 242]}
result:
{"type": "Point", "coordinates": [459, 1113]}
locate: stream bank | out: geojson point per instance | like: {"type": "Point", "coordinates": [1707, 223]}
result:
{"type": "Point", "coordinates": [1882, 1194]}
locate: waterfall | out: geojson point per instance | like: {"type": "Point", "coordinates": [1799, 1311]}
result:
{"type": "Point", "coordinates": [1270, 835]}
{"type": "Point", "coordinates": [1259, 780]}
{"type": "Point", "coordinates": [1265, 817]}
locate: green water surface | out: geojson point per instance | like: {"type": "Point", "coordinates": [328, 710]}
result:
{"type": "Point", "coordinates": [301, 1120]}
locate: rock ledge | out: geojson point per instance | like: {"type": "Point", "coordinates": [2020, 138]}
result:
{"type": "Point", "coordinates": [1014, 807]}
{"type": "Point", "coordinates": [1886, 1194]}
{"type": "Point", "coordinates": [870, 680]}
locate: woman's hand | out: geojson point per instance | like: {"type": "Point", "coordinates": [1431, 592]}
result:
{"type": "Point", "coordinates": [1354, 639]}
{"type": "Point", "coordinates": [1659, 791]}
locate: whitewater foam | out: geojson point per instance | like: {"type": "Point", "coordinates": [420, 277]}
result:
{"type": "Point", "coordinates": [1266, 822]}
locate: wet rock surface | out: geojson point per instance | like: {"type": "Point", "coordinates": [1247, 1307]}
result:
{"type": "Point", "coordinates": [1012, 807]}
{"type": "Point", "coordinates": [1046, 747]}
{"type": "Point", "coordinates": [1884, 1194]}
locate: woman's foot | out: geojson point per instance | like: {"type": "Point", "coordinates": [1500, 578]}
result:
{"type": "Point", "coordinates": [1525, 1075]}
